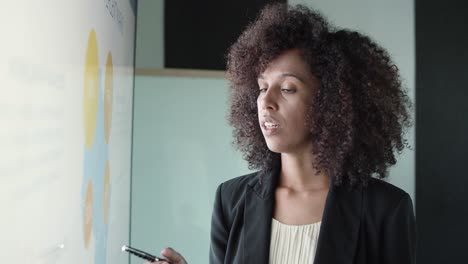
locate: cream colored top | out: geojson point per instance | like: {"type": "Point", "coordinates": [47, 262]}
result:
{"type": "Point", "coordinates": [293, 243]}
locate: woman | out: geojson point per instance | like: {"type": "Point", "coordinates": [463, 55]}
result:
{"type": "Point", "coordinates": [319, 112]}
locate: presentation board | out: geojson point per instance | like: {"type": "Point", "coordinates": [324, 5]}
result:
{"type": "Point", "coordinates": [66, 102]}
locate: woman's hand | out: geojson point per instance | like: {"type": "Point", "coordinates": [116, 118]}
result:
{"type": "Point", "coordinates": [171, 255]}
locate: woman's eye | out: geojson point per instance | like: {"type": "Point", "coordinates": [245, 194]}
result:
{"type": "Point", "coordinates": [262, 90]}
{"type": "Point", "coordinates": [287, 90]}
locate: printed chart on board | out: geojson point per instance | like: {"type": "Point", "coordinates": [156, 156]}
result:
{"type": "Point", "coordinates": [66, 85]}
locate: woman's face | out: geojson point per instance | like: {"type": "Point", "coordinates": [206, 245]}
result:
{"type": "Point", "coordinates": [286, 90]}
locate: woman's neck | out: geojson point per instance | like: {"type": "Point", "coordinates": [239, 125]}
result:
{"type": "Point", "coordinates": [298, 173]}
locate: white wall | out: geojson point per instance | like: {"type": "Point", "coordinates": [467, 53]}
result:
{"type": "Point", "coordinates": [181, 153]}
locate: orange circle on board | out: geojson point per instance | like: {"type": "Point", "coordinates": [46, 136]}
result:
{"type": "Point", "coordinates": [88, 214]}
{"type": "Point", "coordinates": [90, 89]}
{"type": "Point", "coordinates": [108, 91]}
{"type": "Point", "coordinates": [106, 193]}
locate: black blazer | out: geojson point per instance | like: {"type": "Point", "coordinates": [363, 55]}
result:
{"type": "Point", "coordinates": [373, 225]}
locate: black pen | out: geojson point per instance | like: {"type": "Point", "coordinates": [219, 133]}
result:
{"type": "Point", "coordinates": [142, 254]}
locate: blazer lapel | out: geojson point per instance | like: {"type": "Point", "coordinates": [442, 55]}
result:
{"type": "Point", "coordinates": [259, 205]}
{"type": "Point", "coordinates": [338, 232]}
{"type": "Point", "coordinates": [340, 226]}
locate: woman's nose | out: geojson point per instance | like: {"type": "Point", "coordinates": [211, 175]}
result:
{"type": "Point", "coordinates": [268, 100]}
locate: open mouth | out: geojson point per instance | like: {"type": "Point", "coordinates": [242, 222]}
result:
{"type": "Point", "coordinates": [270, 125]}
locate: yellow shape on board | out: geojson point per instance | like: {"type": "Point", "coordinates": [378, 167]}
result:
{"type": "Point", "coordinates": [108, 88]}
{"type": "Point", "coordinates": [91, 90]}
{"type": "Point", "coordinates": [88, 214]}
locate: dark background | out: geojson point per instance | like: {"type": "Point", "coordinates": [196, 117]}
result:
{"type": "Point", "coordinates": [197, 34]}
{"type": "Point", "coordinates": [442, 131]}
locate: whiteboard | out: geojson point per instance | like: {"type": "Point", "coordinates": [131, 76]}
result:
{"type": "Point", "coordinates": [66, 100]}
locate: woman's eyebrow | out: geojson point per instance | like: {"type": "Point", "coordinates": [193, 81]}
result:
{"type": "Point", "coordinates": [283, 75]}
{"type": "Point", "coordinates": [292, 75]}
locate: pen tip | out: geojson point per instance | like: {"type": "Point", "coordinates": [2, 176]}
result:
{"type": "Point", "coordinates": [124, 247]}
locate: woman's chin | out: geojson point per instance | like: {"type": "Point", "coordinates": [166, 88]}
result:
{"type": "Point", "coordinates": [277, 148]}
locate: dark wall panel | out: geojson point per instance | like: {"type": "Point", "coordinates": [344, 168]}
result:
{"type": "Point", "coordinates": [442, 131]}
{"type": "Point", "coordinates": [198, 33]}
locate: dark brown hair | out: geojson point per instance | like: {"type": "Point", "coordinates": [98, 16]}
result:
{"type": "Point", "coordinates": [358, 115]}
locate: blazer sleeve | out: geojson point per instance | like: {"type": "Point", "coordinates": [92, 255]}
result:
{"type": "Point", "coordinates": [399, 238]}
{"type": "Point", "coordinates": [219, 232]}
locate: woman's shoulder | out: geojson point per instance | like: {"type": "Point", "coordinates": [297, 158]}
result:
{"type": "Point", "coordinates": [381, 188]}
{"type": "Point", "coordinates": [232, 191]}
{"type": "Point", "coordinates": [382, 196]}
{"type": "Point", "coordinates": [239, 183]}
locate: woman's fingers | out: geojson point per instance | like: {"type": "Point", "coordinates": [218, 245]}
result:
{"type": "Point", "coordinates": [173, 256]}
{"type": "Point", "coordinates": [156, 262]}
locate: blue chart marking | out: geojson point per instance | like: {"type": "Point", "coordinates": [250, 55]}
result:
{"type": "Point", "coordinates": [94, 171]}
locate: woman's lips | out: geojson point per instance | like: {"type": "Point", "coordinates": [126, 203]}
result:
{"type": "Point", "coordinates": [269, 128]}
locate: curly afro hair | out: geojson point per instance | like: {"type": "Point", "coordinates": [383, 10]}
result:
{"type": "Point", "coordinates": [360, 112]}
